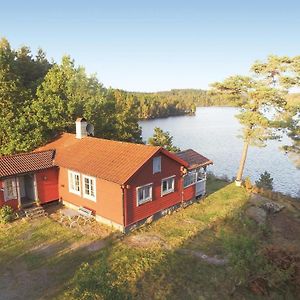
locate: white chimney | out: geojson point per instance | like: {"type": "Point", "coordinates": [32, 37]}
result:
{"type": "Point", "coordinates": [81, 124]}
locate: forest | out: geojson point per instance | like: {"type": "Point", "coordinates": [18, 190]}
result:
{"type": "Point", "coordinates": [177, 102]}
{"type": "Point", "coordinates": [40, 99]}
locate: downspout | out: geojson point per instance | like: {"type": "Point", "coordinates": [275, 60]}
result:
{"type": "Point", "coordinates": [181, 184]}
{"type": "Point", "coordinates": [123, 205]}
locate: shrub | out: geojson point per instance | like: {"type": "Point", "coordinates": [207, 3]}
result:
{"type": "Point", "coordinates": [6, 214]}
{"type": "Point", "coordinates": [265, 181]}
{"type": "Point", "coordinates": [248, 184]}
{"type": "Point", "coordinates": [260, 269]}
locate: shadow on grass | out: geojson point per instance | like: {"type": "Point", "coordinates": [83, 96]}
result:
{"type": "Point", "coordinates": [125, 271]}
{"type": "Point", "coordinates": [216, 226]}
{"type": "Point", "coordinates": [41, 263]}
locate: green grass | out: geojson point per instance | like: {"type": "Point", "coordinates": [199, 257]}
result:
{"type": "Point", "coordinates": [19, 240]}
{"type": "Point", "coordinates": [126, 272]}
{"type": "Point", "coordinates": [215, 226]}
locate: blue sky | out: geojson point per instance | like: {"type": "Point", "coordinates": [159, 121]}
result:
{"type": "Point", "coordinates": [156, 45]}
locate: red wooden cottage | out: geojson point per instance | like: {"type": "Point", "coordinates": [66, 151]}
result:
{"type": "Point", "coordinates": [124, 184]}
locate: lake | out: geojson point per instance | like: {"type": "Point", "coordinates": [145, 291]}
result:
{"type": "Point", "coordinates": [214, 131]}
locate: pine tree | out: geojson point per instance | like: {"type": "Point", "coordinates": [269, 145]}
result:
{"type": "Point", "coordinates": [255, 98]}
{"type": "Point", "coordinates": [162, 139]}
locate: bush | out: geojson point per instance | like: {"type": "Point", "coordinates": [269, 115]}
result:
{"type": "Point", "coordinates": [6, 214]}
{"type": "Point", "coordinates": [248, 184]}
{"type": "Point", "coordinates": [265, 181]}
{"type": "Point", "coordinates": [260, 269]}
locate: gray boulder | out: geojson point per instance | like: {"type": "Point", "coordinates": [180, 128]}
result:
{"type": "Point", "coordinates": [257, 214]}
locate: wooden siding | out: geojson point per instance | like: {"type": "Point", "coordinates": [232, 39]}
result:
{"type": "Point", "coordinates": [145, 176]}
{"type": "Point", "coordinates": [13, 202]}
{"type": "Point", "coordinates": [47, 185]}
{"type": "Point", "coordinates": [108, 202]}
{"type": "Point", "coordinates": [189, 192]}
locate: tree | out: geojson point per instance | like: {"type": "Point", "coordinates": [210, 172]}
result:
{"type": "Point", "coordinates": [284, 73]}
{"type": "Point", "coordinates": [255, 98]}
{"type": "Point", "coordinates": [162, 139]}
{"type": "Point", "coordinates": [68, 92]}
{"type": "Point", "coordinates": [127, 110]}
{"type": "Point", "coordinates": [265, 181]}
{"type": "Point", "coordinates": [17, 132]}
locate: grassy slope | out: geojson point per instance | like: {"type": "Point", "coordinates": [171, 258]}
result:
{"type": "Point", "coordinates": [122, 270]}
{"type": "Point", "coordinates": [293, 100]}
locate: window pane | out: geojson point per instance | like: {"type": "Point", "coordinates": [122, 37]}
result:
{"type": "Point", "coordinates": [92, 188]}
{"type": "Point", "coordinates": [140, 191]}
{"type": "Point", "coordinates": [147, 192]}
{"type": "Point", "coordinates": [165, 185]}
{"type": "Point", "coordinates": [169, 184]}
{"type": "Point", "coordinates": [77, 182]}
{"type": "Point", "coordinates": [156, 164]}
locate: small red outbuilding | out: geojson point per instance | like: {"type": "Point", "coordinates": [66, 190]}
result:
{"type": "Point", "coordinates": [27, 178]}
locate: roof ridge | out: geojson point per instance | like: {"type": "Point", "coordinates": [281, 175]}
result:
{"type": "Point", "coordinates": [113, 141]}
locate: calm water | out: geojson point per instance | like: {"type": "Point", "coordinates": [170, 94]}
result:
{"type": "Point", "coordinates": [213, 132]}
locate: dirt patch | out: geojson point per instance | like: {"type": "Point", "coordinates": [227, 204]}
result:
{"type": "Point", "coordinates": [213, 260]}
{"type": "Point", "coordinates": [96, 245]}
{"type": "Point", "coordinates": [286, 226]}
{"type": "Point", "coordinates": [89, 246]}
{"type": "Point", "coordinates": [50, 249]}
{"type": "Point", "coordinates": [40, 282]}
{"type": "Point", "coordinates": [93, 229]}
{"type": "Point", "coordinates": [30, 284]}
{"type": "Point", "coordinates": [147, 241]}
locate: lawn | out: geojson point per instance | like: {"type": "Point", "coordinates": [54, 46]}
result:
{"type": "Point", "coordinates": [154, 262]}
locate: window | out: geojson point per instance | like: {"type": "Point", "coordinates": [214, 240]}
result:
{"type": "Point", "coordinates": [201, 175]}
{"type": "Point", "coordinates": [74, 182]}
{"type": "Point", "coordinates": [144, 194]}
{"type": "Point", "coordinates": [10, 189]}
{"type": "Point", "coordinates": [193, 176]}
{"type": "Point", "coordinates": [89, 187]}
{"type": "Point", "coordinates": [156, 164]}
{"type": "Point", "coordinates": [190, 178]}
{"type": "Point", "coordinates": [167, 185]}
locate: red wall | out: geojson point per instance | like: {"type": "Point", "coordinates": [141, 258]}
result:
{"type": "Point", "coordinates": [108, 202]}
{"type": "Point", "coordinates": [13, 203]}
{"type": "Point", "coordinates": [189, 192]}
{"type": "Point", "coordinates": [144, 176]}
{"type": "Point", "coordinates": [47, 185]}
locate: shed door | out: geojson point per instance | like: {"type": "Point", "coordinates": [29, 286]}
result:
{"type": "Point", "coordinates": [200, 188]}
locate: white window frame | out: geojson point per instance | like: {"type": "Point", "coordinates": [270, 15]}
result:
{"type": "Point", "coordinates": [14, 194]}
{"type": "Point", "coordinates": [156, 164]}
{"type": "Point", "coordinates": [145, 200]}
{"type": "Point", "coordinates": [71, 177]}
{"type": "Point", "coordinates": [172, 189]}
{"type": "Point", "coordinates": [91, 179]}
{"type": "Point", "coordinates": [195, 173]}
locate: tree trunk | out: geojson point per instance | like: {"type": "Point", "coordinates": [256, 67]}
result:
{"type": "Point", "coordinates": [239, 176]}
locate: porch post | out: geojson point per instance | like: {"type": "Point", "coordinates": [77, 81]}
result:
{"type": "Point", "coordinates": [36, 196]}
{"type": "Point", "coordinates": [18, 192]}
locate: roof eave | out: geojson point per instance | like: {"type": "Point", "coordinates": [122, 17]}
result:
{"type": "Point", "coordinates": [195, 166]}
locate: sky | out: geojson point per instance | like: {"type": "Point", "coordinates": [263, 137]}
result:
{"type": "Point", "coordinates": [156, 45]}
